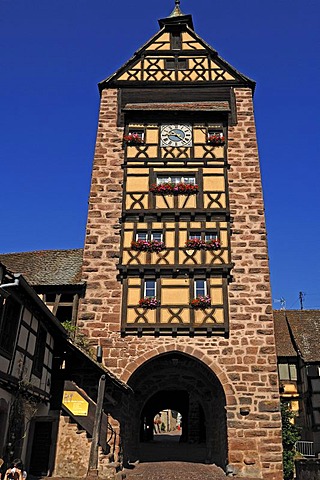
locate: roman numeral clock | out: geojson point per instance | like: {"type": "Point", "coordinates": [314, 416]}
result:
{"type": "Point", "coordinates": [176, 135]}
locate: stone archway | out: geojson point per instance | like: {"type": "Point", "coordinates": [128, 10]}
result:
{"type": "Point", "coordinates": [183, 383]}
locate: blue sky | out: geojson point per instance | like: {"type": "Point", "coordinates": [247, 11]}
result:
{"type": "Point", "coordinates": [53, 54]}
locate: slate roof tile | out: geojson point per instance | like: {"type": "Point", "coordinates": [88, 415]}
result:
{"type": "Point", "coordinates": [305, 331]}
{"type": "Point", "coordinates": [46, 267]}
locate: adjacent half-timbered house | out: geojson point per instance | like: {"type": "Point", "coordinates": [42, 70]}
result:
{"type": "Point", "coordinates": [28, 333]}
{"type": "Point", "coordinates": [297, 341]}
{"type": "Point", "coordinates": [45, 376]}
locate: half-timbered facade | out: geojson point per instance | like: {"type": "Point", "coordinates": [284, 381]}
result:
{"type": "Point", "coordinates": [175, 256]}
{"type": "Point", "coordinates": [28, 333]}
{"type": "Point", "coordinates": [45, 376]}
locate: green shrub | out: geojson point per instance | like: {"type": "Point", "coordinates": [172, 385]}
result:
{"type": "Point", "coordinates": [290, 435]}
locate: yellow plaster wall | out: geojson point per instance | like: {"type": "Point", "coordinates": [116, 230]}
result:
{"type": "Point", "coordinates": [174, 296]}
{"type": "Point", "coordinates": [137, 184]}
{"type": "Point", "coordinates": [207, 201]}
{"type": "Point", "coordinates": [149, 314]}
{"type": "Point", "coordinates": [135, 171]}
{"type": "Point", "coordinates": [134, 295]}
{"type": "Point", "coordinates": [196, 257]}
{"type": "Point", "coordinates": [214, 183]}
{"type": "Point", "coordinates": [168, 258]}
{"type": "Point", "coordinates": [187, 202]}
{"type": "Point", "coordinates": [216, 295]}
{"type": "Point", "coordinates": [160, 202]}
{"type": "Point", "coordinates": [174, 282]}
{"type": "Point", "coordinates": [133, 151]}
{"type": "Point", "coordinates": [156, 45]}
{"type": "Point", "coordinates": [224, 238]}
{"type": "Point", "coordinates": [193, 43]}
{"type": "Point", "coordinates": [152, 135]}
{"type": "Point", "coordinates": [209, 151]}
{"type": "Point", "coordinates": [172, 152]}
{"type": "Point", "coordinates": [137, 206]}
{"type": "Point", "coordinates": [127, 239]}
{"type": "Point", "coordinates": [200, 134]}
{"type": "Point", "coordinates": [184, 315]}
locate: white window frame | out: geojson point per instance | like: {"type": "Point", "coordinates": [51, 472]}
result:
{"type": "Point", "coordinates": [176, 179]}
{"type": "Point", "coordinates": [141, 234]}
{"type": "Point", "coordinates": [200, 290]}
{"type": "Point", "coordinates": [195, 236]}
{"type": "Point", "coordinates": [154, 288]}
{"type": "Point", "coordinates": [157, 233]}
{"type": "Point", "coordinates": [210, 236]}
{"type": "Point", "coordinates": [145, 236]}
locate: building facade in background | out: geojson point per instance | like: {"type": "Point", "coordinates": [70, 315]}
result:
{"type": "Point", "coordinates": [297, 341]}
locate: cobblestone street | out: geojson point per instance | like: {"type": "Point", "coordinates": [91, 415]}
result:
{"type": "Point", "coordinates": [165, 458]}
{"type": "Point", "coordinates": [175, 471]}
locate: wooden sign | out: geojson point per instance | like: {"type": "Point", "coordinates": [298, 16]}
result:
{"type": "Point", "coordinates": [74, 402]}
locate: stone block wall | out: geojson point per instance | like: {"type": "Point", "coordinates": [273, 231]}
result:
{"type": "Point", "coordinates": [245, 362]}
{"type": "Point", "coordinates": [73, 451]}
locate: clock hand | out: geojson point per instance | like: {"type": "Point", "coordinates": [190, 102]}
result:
{"type": "Point", "coordinates": [178, 135]}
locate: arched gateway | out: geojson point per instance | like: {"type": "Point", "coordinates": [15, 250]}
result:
{"type": "Point", "coordinates": [182, 383]}
{"type": "Point", "coordinates": [175, 258]}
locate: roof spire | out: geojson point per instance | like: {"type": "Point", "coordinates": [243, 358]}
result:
{"type": "Point", "coordinates": [176, 11]}
{"type": "Point", "coordinates": [177, 17]}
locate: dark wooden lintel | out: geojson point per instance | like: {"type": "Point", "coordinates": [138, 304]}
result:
{"type": "Point", "coordinates": [176, 331]}
{"type": "Point", "coordinates": [179, 162]}
{"type": "Point", "coordinates": [176, 271]}
{"type": "Point", "coordinates": [172, 215]}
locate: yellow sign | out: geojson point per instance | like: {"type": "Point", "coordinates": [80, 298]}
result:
{"type": "Point", "coordinates": [75, 403]}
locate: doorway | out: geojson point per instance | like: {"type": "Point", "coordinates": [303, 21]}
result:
{"type": "Point", "coordinates": [41, 445]}
{"type": "Point", "coordinates": [180, 383]}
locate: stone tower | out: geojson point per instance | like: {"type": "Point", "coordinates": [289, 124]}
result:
{"type": "Point", "coordinates": [175, 256]}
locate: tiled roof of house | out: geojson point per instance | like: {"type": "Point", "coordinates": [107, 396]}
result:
{"type": "Point", "coordinates": [305, 330]}
{"type": "Point", "coordinates": [284, 345]}
{"type": "Point", "coordinates": [46, 267]}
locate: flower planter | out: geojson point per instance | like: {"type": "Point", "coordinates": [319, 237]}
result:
{"type": "Point", "coordinates": [196, 244]}
{"type": "Point", "coordinates": [212, 245]}
{"type": "Point", "coordinates": [149, 302]}
{"type": "Point", "coordinates": [148, 246]}
{"type": "Point", "coordinates": [133, 139]}
{"type": "Point", "coordinates": [201, 302]}
{"type": "Point", "coordinates": [216, 139]}
{"type": "Point", "coordinates": [174, 189]}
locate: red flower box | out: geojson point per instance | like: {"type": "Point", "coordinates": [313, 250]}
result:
{"type": "Point", "coordinates": [197, 244]}
{"type": "Point", "coordinates": [148, 246]}
{"type": "Point", "coordinates": [174, 189]}
{"type": "Point", "coordinates": [201, 302]}
{"type": "Point", "coordinates": [216, 139]}
{"type": "Point", "coordinates": [149, 302]}
{"type": "Point", "coordinates": [133, 139]}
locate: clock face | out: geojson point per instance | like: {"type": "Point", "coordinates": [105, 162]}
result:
{"type": "Point", "coordinates": [176, 135]}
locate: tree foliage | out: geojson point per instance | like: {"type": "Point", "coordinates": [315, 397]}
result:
{"type": "Point", "coordinates": [78, 337]}
{"type": "Point", "coordinates": [290, 435]}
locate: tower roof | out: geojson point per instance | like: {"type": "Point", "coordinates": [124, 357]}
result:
{"type": "Point", "coordinates": [176, 12]}
{"type": "Point", "coordinates": [176, 55]}
{"type": "Point", "coordinates": [176, 17]}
